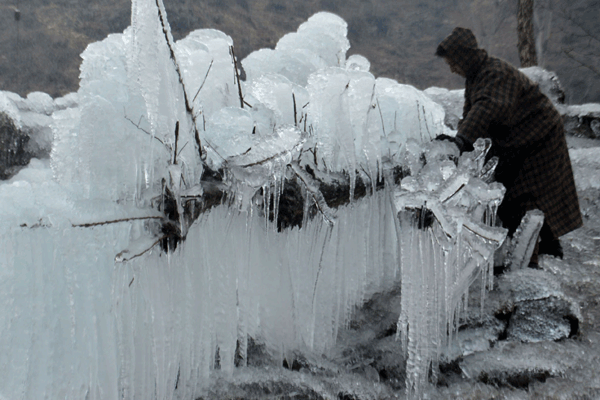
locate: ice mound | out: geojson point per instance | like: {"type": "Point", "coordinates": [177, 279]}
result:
{"type": "Point", "coordinates": [548, 82]}
{"type": "Point", "coordinates": [320, 42]}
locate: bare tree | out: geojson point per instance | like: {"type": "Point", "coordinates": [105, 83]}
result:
{"type": "Point", "coordinates": [576, 36]}
{"type": "Point", "coordinates": [526, 37]}
{"type": "Point", "coordinates": [586, 50]}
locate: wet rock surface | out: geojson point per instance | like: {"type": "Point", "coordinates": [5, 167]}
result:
{"type": "Point", "coordinates": [13, 143]}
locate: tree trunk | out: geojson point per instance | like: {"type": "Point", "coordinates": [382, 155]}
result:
{"type": "Point", "coordinates": [526, 39]}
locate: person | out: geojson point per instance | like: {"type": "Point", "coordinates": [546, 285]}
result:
{"type": "Point", "coordinates": [527, 135]}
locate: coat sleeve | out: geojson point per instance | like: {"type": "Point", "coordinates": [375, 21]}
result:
{"type": "Point", "coordinates": [491, 100]}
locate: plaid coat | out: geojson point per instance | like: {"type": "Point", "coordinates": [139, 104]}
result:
{"type": "Point", "coordinates": [526, 131]}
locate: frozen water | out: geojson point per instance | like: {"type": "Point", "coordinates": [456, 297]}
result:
{"type": "Point", "coordinates": [356, 62]}
{"type": "Point", "coordinates": [451, 100]}
{"type": "Point", "coordinates": [40, 103]}
{"type": "Point", "coordinates": [346, 128]}
{"type": "Point", "coordinates": [548, 83]}
{"type": "Point", "coordinates": [320, 42]}
{"type": "Point", "coordinates": [207, 66]}
{"type": "Point", "coordinates": [285, 99]}
{"type": "Point", "coordinates": [585, 162]}
{"type": "Point", "coordinates": [445, 247]}
{"type": "Point", "coordinates": [92, 308]}
{"type": "Point", "coordinates": [323, 34]}
{"type": "Point", "coordinates": [68, 101]}
{"type": "Point", "coordinates": [226, 284]}
{"type": "Point", "coordinates": [524, 240]}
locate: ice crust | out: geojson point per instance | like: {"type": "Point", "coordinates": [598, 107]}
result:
{"type": "Point", "coordinates": [86, 312]}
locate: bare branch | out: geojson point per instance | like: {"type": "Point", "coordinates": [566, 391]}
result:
{"type": "Point", "coordinates": [188, 107]}
{"type": "Point", "coordinates": [315, 193]}
{"type": "Point", "coordinates": [186, 143]}
{"type": "Point", "coordinates": [116, 221]}
{"type": "Point", "coordinates": [237, 76]}
{"type": "Point", "coordinates": [148, 133]}
{"type": "Point", "coordinates": [581, 63]}
{"type": "Point", "coordinates": [204, 81]}
{"type": "Point", "coordinates": [121, 256]}
{"type": "Point", "coordinates": [295, 113]}
{"type": "Point", "coordinates": [176, 140]}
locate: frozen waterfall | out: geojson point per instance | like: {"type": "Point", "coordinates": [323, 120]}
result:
{"type": "Point", "coordinates": [97, 303]}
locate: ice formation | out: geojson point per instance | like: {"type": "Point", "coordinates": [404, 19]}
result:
{"type": "Point", "coordinates": [92, 308]}
{"type": "Point", "coordinates": [524, 240]}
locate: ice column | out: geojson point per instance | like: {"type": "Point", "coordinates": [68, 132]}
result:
{"type": "Point", "coordinates": [445, 245]}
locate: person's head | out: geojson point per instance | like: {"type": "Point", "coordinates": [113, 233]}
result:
{"type": "Point", "coordinates": [460, 52]}
{"type": "Point", "coordinates": [454, 67]}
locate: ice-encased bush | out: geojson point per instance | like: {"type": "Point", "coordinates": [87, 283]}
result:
{"type": "Point", "coordinates": [92, 308]}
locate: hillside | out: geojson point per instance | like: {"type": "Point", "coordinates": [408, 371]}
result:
{"type": "Point", "coordinates": [41, 50]}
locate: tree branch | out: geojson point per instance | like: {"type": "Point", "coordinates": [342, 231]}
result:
{"type": "Point", "coordinates": [583, 64]}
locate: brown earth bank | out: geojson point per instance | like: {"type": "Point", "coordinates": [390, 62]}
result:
{"type": "Point", "coordinates": [40, 45]}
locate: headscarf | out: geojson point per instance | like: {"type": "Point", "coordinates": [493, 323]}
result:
{"type": "Point", "coordinates": [461, 47]}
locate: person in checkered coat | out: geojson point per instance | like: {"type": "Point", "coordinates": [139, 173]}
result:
{"type": "Point", "coordinates": [527, 135]}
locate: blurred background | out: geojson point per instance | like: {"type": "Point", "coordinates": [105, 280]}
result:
{"type": "Point", "coordinates": [41, 40]}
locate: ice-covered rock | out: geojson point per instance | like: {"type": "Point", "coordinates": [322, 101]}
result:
{"type": "Point", "coordinates": [32, 116]}
{"type": "Point", "coordinates": [548, 83]}
{"type": "Point", "coordinates": [323, 34]}
{"type": "Point", "coordinates": [40, 103]}
{"type": "Point", "coordinates": [451, 100]}
{"type": "Point", "coordinates": [14, 143]}
{"type": "Point", "coordinates": [582, 120]}
{"type": "Point", "coordinates": [536, 307]}
{"type": "Point", "coordinates": [585, 162]}
{"type": "Point", "coordinates": [70, 100]}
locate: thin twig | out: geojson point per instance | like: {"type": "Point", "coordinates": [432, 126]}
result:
{"type": "Point", "coordinates": [186, 143]}
{"type": "Point", "coordinates": [581, 63]}
{"type": "Point", "coordinates": [265, 160]}
{"type": "Point", "coordinates": [91, 224]}
{"type": "Point", "coordinates": [426, 124]}
{"type": "Point", "coordinates": [237, 76]}
{"type": "Point", "coordinates": [204, 81]}
{"type": "Point", "coordinates": [118, 256]}
{"type": "Point", "coordinates": [188, 107]}
{"type": "Point", "coordinates": [176, 140]}
{"type": "Point", "coordinates": [381, 116]}
{"type": "Point", "coordinates": [316, 194]}
{"type": "Point", "coordinates": [455, 193]}
{"type": "Point", "coordinates": [148, 133]}
{"type": "Point", "coordinates": [478, 234]}
{"type": "Point", "coordinates": [295, 117]}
